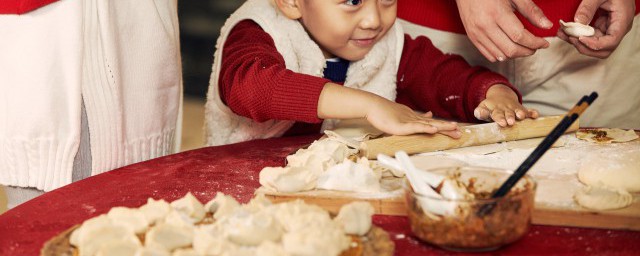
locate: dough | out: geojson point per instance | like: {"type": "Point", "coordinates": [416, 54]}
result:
{"type": "Point", "coordinates": [168, 237]}
{"type": "Point", "coordinates": [316, 167]}
{"type": "Point", "coordinates": [129, 217]}
{"type": "Point", "coordinates": [427, 162]}
{"type": "Point", "coordinates": [603, 198]}
{"type": "Point", "coordinates": [269, 248]}
{"type": "Point", "coordinates": [123, 247]}
{"type": "Point", "coordinates": [288, 179]}
{"type": "Point", "coordinates": [190, 207]}
{"type": "Point", "coordinates": [350, 176]}
{"type": "Point", "coordinates": [577, 29]}
{"type": "Point", "coordinates": [355, 218]}
{"type": "Point", "coordinates": [257, 228]}
{"type": "Point", "coordinates": [314, 162]}
{"type": "Point", "coordinates": [316, 241]}
{"type": "Point", "coordinates": [309, 230]}
{"type": "Point", "coordinates": [106, 236]}
{"type": "Point", "coordinates": [98, 231]}
{"type": "Point", "coordinates": [613, 169]}
{"type": "Point", "coordinates": [533, 143]}
{"type": "Point", "coordinates": [353, 143]}
{"type": "Point", "coordinates": [508, 145]}
{"type": "Point", "coordinates": [606, 135]}
{"type": "Point", "coordinates": [249, 229]}
{"type": "Point", "coordinates": [335, 149]}
{"type": "Point", "coordinates": [155, 210]}
{"type": "Point", "coordinates": [222, 205]}
{"type": "Point", "coordinates": [356, 129]}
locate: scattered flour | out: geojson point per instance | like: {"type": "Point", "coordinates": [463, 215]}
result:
{"type": "Point", "coordinates": [556, 171]}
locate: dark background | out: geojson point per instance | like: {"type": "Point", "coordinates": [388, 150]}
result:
{"type": "Point", "coordinates": [200, 23]}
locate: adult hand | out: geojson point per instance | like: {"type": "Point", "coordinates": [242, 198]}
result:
{"type": "Point", "coordinates": [610, 27]}
{"type": "Point", "coordinates": [495, 30]}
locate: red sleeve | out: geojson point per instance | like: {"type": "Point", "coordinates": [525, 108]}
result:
{"type": "Point", "coordinates": [21, 6]}
{"type": "Point", "coordinates": [445, 84]}
{"type": "Point", "coordinates": [255, 83]}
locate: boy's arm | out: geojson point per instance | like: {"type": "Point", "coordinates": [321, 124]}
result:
{"type": "Point", "coordinates": [445, 84]}
{"type": "Point", "coordinates": [339, 102]}
{"type": "Point", "coordinates": [255, 83]}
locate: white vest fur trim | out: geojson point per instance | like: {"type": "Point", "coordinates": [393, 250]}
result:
{"type": "Point", "coordinates": [375, 73]}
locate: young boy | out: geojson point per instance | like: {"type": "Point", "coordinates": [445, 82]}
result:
{"type": "Point", "coordinates": [282, 66]}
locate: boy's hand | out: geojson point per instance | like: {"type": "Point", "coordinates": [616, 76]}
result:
{"type": "Point", "coordinates": [339, 102]}
{"type": "Point", "coordinates": [398, 119]}
{"type": "Point", "coordinates": [501, 105]}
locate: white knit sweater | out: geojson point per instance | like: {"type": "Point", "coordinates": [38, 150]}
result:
{"type": "Point", "coordinates": [121, 57]}
{"type": "Point", "coordinates": [375, 73]}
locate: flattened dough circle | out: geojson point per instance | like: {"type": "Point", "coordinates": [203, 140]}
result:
{"type": "Point", "coordinates": [601, 198]}
{"type": "Point", "coordinates": [617, 170]}
{"type": "Point", "coordinates": [606, 135]}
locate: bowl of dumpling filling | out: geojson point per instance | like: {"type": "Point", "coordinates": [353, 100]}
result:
{"type": "Point", "coordinates": [453, 208]}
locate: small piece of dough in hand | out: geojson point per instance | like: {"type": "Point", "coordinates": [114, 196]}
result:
{"type": "Point", "coordinates": [576, 29]}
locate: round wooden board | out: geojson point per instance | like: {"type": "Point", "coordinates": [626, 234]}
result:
{"type": "Point", "coordinates": [375, 242]}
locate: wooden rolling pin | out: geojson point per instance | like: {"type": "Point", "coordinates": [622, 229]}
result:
{"type": "Point", "coordinates": [472, 135]}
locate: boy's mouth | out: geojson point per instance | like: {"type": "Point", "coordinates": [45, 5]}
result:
{"type": "Point", "coordinates": [364, 42]}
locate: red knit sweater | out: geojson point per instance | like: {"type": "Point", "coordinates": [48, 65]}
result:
{"type": "Point", "coordinates": [254, 82]}
{"type": "Point", "coordinates": [443, 14]}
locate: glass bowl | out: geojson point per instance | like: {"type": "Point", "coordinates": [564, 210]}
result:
{"type": "Point", "coordinates": [460, 225]}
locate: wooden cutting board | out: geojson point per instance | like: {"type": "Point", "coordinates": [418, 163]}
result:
{"type": "Point", "coordinates": [546, 214]}
{"type": "Point", "coordinates": [332, 201]}
{"type": "Point", "coordinates": [472, 135]}
{"type": "Point", "coordinates": [627, 218]}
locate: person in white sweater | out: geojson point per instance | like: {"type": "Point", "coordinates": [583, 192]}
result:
{"type": "Point", "coordinates": [86, 86]}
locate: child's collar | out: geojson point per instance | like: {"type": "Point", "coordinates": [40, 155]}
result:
{"type": "Point", "coordinates": [336, 59]}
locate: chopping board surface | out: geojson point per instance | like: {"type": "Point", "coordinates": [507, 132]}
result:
{"type": "Point", "coordinates": [555, 173]}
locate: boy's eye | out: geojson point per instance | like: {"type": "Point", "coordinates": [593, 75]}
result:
{"type": "Point", "coordinates": [353, 2]}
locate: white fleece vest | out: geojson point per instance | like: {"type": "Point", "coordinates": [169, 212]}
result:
{"type": "Point", "coordinates": [375, 73]}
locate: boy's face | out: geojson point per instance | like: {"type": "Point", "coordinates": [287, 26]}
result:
{"type": "Point", "coordinates": [347, 28]}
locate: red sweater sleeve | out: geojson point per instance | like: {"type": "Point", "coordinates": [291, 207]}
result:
{"type": "Point", "coordinates": [255, 83]}
{"type": "Point", "coordinates": [21, 6]}
{"type": "Point", "coordinates": [429, 80]}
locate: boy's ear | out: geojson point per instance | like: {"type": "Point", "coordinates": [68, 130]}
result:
{"type": "Point", "coordinates": [289, 8]}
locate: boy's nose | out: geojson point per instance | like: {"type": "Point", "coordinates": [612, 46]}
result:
{"type": "Point", "coordinates": [371, 17]}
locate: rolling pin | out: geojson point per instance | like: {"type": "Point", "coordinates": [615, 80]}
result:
{"type": "Point", "coordinates": [472, 135]}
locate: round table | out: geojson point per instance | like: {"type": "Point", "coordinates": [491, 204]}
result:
{"type": "Point", "coordinates": [233, 170]}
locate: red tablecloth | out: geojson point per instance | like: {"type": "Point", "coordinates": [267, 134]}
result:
{"type": "Point", "coordinates": [233, 170]}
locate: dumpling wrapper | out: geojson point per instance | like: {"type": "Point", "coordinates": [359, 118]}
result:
{"type": "Point", "coordinates": [355, 218]}
{"type": "Point", "coordinates": [620, 170]}
{"type": "Point", "coordinates": [576, 29]}
{"type": "Point", "coordinates": [603, 198]}
{"type": "Point", "coordinates": [607, 135]}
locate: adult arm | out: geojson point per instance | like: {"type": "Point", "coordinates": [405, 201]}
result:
{"type": "Point", "coordinates": [495, 30]}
